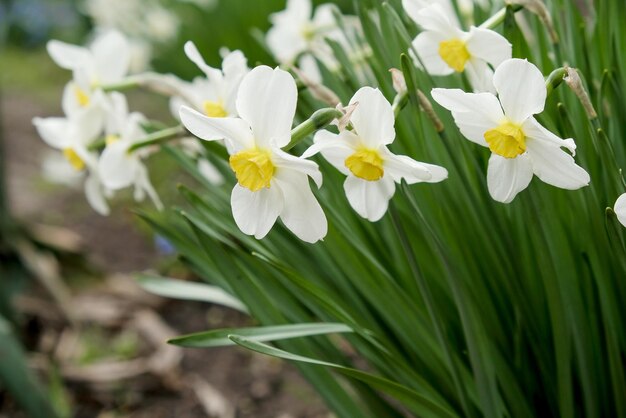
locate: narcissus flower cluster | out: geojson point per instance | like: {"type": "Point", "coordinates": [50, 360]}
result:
{"type": "Point", "coordinates": [251, 112]}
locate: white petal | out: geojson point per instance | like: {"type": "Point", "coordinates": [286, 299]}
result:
{"type": "Point", "coordinates": [440, 18]}
{"type": "Point", "coordinates": [533, 130]}
{"type": "Point", "coordinates": [54, 131]}
{"type": "Point", "coordinates": [286, 43]}
{"type": "Point", "coordinates": [488, 45]}
{"type": "Point", "coordinates": [194, 55]}
{"type": "Point", "coordinates": [427, 46]}
{"type": "Point", "coordinates": [111, 52]}
{"type": "Point", "coordinates": [521, 89]}
{"type": "Point", "coordinates": [210, 172]}
{"type": "Point", "coordinates": [369, 199]}
{"type": "Point", "coordinates": [68, 56]}
{"type": "Point", "coordinates": [117, 168]}
{"type": "Point", "coordinates": [302, 213]}
{"type": "Point", "coordinates": [506, 177]}
{"type": "Point", "coordinates": [437, 173]}
{"type": "Point", "coordinates": [255, 212]}
{"type": "Point", "coordinates": [402, 167]}
{"type": "Point", "coordinates": [334, 148]}
{"type": "Point", "coordinates": [555, 166]}
{"type": "Point", "coordinates": [95, 195]}
{"type": "Point", "coordinates": [474, 113]}
{"type": "Point", "coordinates": [267, 101]}
{"type": "Point", "coordinates": [480, 76]}
{"type": "Point", "coordinates": [373, 118]}
{"type": "Point", "coordinates": [299, 10]}
{"type": "Point", "coordinates": [236, 132]}
{"type": "Point", "coordinates": [620, 209]}
{"type": "Point", "coordinates": [88, 124]}
{"type": "Point", "coordinates": [287, 162]}
{"type": "Point", "coordinates": [143, 185]}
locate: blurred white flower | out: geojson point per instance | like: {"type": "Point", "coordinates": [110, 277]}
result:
{"type": "Point", "coordinates": [105, 61]}
{"type": "Point", "coordinates": [118, 168]}
{"type": "Point", "coordinates": [363, 156]}
{"type": "Point", "coordinates": [144, 22]}
{"type": "Point", "coordinates": [72, 136]}
{"type": "Point", "coordinates": [57, 169]}
{"type": "Point", "coordinates": [216, 92]}
{"type": "Point", "coordinates": [270, 182]}
{"type": "Point", "coordinates": [520, 146]}
{"type": "Point", "coordinates": [444, 48]}
{"type": "Point", "coordinates": [620, 209]}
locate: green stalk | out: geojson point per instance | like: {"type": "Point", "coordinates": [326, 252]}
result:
{"type": "Point", "coordinates": [318, 120]}
{"type": "Point", "coordinates": [158, 137]}
{"type": "Point", "coordinates": [498, 17]}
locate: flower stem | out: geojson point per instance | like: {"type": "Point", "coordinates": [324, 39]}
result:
{"type": "Point", "coordinates": [498, 17]}
{"type": "Point", "coordinates": [318, 120]}
{"type": "Point", "coordinates": [158, 137]}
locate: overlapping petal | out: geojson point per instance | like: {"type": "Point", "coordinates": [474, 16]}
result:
{"type": "Point", "coordinates": [555, 166]}
{"type": "Point", "coordinates": [506, 177]}
{"type": "Point", "coordinates": [370, 199]}
{"type": "Point", "coordinates": [302, 213]}
{"type": "Point", "coordinates": [256, 212]}
{"type": "Point", "coordinates": [373, 118]}
{"type": "Point", "coordinates": [521, 89]}
{"type": "Point", "coordinates": [267, 101]}
{"type": "Point", "coordinates": [236, 132]}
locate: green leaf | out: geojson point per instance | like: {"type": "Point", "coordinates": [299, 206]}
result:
{"type": "Point", "coordinates": [18, 379]}
{"type": "Point", "coordinates": [179, 289]}
{"type": "Point", "coordinates": [220, 337]}
{"type": "Point", "coordinates": [412, 399]}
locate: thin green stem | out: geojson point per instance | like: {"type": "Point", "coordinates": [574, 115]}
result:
{"type": "Point", "coordinates": [318, 120]}
{"type": "Point", "coordinates": [158, 137]}
{"type": "Point", "coordinates": [498, 17]}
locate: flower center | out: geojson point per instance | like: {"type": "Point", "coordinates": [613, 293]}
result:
{"type": "Point", "coordinates": [454, 53]}
{"type": "Point", "coordinates": [81, 97]}
{"type": "Point", "coordinates": [366, 164]}
{"type": "Point", "coordinates": [214, 109]}
{"type": "Point", "coordinates": [507, 140]}
{"type": "Point", "coordinates": [253, 168]}
{"type": "Point", "coordinates": [73, 159]}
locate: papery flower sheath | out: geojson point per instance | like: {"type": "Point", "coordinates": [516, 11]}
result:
{"type": "Point", "coordinates": [444, 48]}
{"type": "Point", "coordinates": [270, 182]}
{"type": "Point", "coordinates": [505, 124]}
{"type": "Point", "coordinates": [363, 156]}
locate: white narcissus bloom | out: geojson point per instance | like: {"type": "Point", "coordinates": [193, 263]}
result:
{"type": "Point", "coordinates": [444, 48]}
{"type": "Point", "coordinates": [505, 124]}
{"type": "Point", "coordinates": [363, 156]}
{"type": "Point", "coordinates": [294, 31]}
{"type": "Point", "coordinates": [270, 182]}
{"type": "Point", "coordinates": [72, 135]}
{"type": "Point", "coordinates": [620, 209]}
{"type": "Point", "coordinates": [118, 167]}
{"type": "Point", "coordinates": [105, 61]}
{"type": "Point", "coordinates": [216, 92]}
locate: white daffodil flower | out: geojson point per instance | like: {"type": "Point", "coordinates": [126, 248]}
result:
{"type": "Point", "coordinates": [620, 209]}
{"type": "Point", "coordinates": [216, 92]}
{"type": "Point", "coordinates": [105, 61]}
{"type": "Point", "coordinates": [295, 32]}
{"type": "Point", "coordinates": [363, 156]}
{"type": "Point", "coordinates": [505, 124]}
{"type": "Point", "coordinates": [118, 168]}
{"type": "Point", "coordinates": [270, 182]}
{"type": "Point", "coordinates": [72, 135]}
{"type": "Point", "coordinates": [444, 48]}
